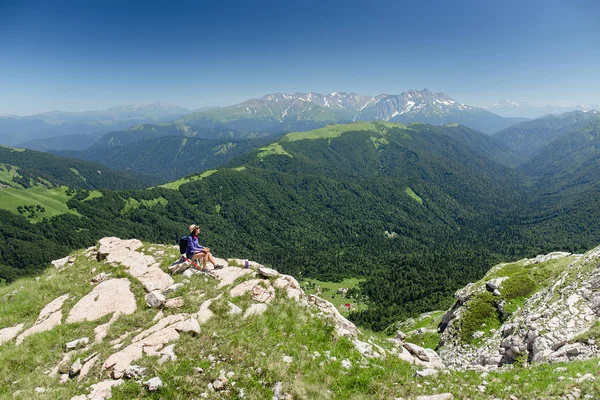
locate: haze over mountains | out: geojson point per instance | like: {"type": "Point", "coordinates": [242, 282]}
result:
{"type": "Point", "coordinates": [522, 109]}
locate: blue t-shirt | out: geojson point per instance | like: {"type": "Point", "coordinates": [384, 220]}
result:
{"type": "Point", "coordinates": [193, 246]}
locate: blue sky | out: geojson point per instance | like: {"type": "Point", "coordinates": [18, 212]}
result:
{"type": "Point", "coordinates": [82, 55]}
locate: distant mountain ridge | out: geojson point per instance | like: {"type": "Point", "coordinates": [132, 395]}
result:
{"type": "Point", "coordinates": [506, 108]}
{"type": "Point", "coordinates": [89, 125]}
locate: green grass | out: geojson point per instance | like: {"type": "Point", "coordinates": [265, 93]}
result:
{"type": "Point", "coordinates": [176, 184]}
{"type": "Point", "coordinates": [335, 130]}
{"type": "Point", "coordinates": [94, 194]}
{"type": "Point", "coordinates": [8, 173]}
{"type": "Point", "coordinates": [133, 204]}
{"type": "Point", "coordinates": [53, 200]}
{"type": "Point", "coordinates": [481, 315]}
{"type": "Point", "coordinates": [272, 149]}
{"type": "Point", "coordinates": [328, 291]}
{"type": "Point", "coordinates": [76, 172]}
{"type": "Point", "coordinates": [413, 195]}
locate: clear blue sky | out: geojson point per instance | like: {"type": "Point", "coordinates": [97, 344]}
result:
{"type": "Point", "coordinates": [81, 55]}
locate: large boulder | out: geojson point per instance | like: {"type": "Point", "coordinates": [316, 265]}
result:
{"type": "Point", "coordinates": [108, 297]}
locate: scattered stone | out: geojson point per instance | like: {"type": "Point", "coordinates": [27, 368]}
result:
{"type": "Point", "coordinates": [108, 297]}
{"type": "Point", "coordinates": [255, 309]}
{"type": "Point", "coordinates": [190, 326]}
{"type": "Point", "coordinates": [75, 368]}
{"type": "Point", "coordinates": [135, 372]}
{"type": "Point", "coordinates": [260, 290]}
{"type": "Point", "coordinates": [176, 302]}
{"type": "Point", "coordinates": [64, 378]}
{"type": "Point", "coordinates": [40, 390]}
{"type": "Point", "coordinates": [101, 277]}
{"type": "Point", "coordinates": [426, 372]}
{"type": "Point", "coordinates": [346, 363]}
{"type": "Point", "coordinates": [400, 335]}
{"type": "Point", "coordinates": [233, 309]}
{"type": "Point", "coordinates": [87, 366]}
{"type": "Point", "coordinates": [77, 343]}
{"type": "Point", "coordinates": [168, 354]}
{"type": "Point", "coordinates": [198, 370]}
{"type": "Point", "coordinates": [278, 391]}
{"type": "Point", "coordinates": [7, 334]}
{"type": "Point", "coordinates": [442, 396]}
{"type": "Point", "coordinates": [101, 331]}
{"type": "Point", "coordinates": [287, 359]}
{"type": "Point", "coordinates": [50, 316]}
{"type": "Point", "coordinates": [586, 377]}
{"type": "Point", "coordinates": [173, 288]}
{"type": "Point", "coordinates": [478, 334]}
{"type": "Point", "coordinates": [267, 272]}
{"type": "Point", "coordinates": [188, 273]}
{"type": "Point", "coordinates": [155, 299]}
{"type": "Point", "coordinates": [60, 263]}
{"type": "Point", "coordinates": [153, 384]}
{"type": "Point", "coordinates": [219, 384]}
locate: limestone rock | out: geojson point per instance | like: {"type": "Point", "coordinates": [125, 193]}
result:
{"type": "Point", "coordinates": [167, 354]}
{"type": "Point", "coordinates": [135, 372]}
{"type": "Point", "coordinates": [108, 297]}
{"type": "Point", "coordinates": [140, 266]}
{"type": "Point", "coordinates": [190, 326]}
{"type": "Point", "coordinates": [176, 302]}
{"type": "Point", "coordinates": [173, 288]}
{"type": "Point", "coordinates": [50, 316]}
{"type": "Point", "coordinates": [494, 284]}
{"type": "Point", "coordinates": [102, 390]}
{"type": "Point", "coordinates": [75, 368]}
{"type": "Point", "coordinates": [228, 275]}
{"type": "Point", "coordinates": [101, 277]}
{"type": "Point", "coordinates": [233, 309]}
{"type": "Point", "coordinates": [343, 326]}
{"type": "Point", "coordinates": [346, 364]}
{"type": "Point", "coordinates": [60, 263]}
{"type": "Point", "coordinates": [255, 309]}
{"type": "Point", "coordinates": [77, 343]}
{"type": "Point", "coordinates": [87, 366]}
{"type": "Point", "coordinates": [102, 330]}
{"type": "Point", "coordinates": [267, 272]}
{"type": "Point", "coordinates": [291, 285]}
{"type": "Point", "coordinates": [153, 384]}
{"type": "Point", "coordinates": [155, 299]}
{"type": "Point", "coordinates": [8, 334]}
{"type": "Point", "coordinates": [426, 372]}
{"type": "Point", "coordinates": [260, 290]}
{"type": "Point", "coordinates": [428, 356]}
{"type": "Point", "coordinates": [442, 396]}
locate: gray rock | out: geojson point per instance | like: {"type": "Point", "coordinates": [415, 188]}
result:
{"type": "Point", "coordinates": [426, 372]}
{"type": "Point", "coordinates": [233, 309]}
{"type": "Point", "coordinates": [400, 335]}
{"type": "Point", "coordinates": [135, 372]}
{"type": "Point", "coordinates": [478, 334]}
{"type": "Point", "coordinates": [267, 272]}
{"type": "Point", "coordinates": [155, 299]}
{"type": "Point", "coordinates": [153, 384]}
{"type": "Point", "coordinates": [586, 377]}
{"type": "Point", "coordinates": [442, 396]}
{"type": "Point", "coordinates": [64, 378]}
{"type": "Point", "coordinates": [188, 273]}
{"type": "Point", "coordinates": [494, 284]}
{"type": "Point", "coordinates": [77, 343]}
{"type": "Point", "coordinates": [75, 368]}
{"type": "Point", "coordinates": [176, 302]}
{"type": "Point", "coordinates": [190, 326]}
{"type": "Point", "coordinates": [173, 288]}
{"type": "Point", "coordinates": [346, 363]}
{"type": "Point", "coordinates": [218, 384]}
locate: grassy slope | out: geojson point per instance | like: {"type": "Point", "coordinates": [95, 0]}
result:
{"type": "Point", "coordinates": [53, 200]}
{"type": "Point", "coordinates": [252, 349]}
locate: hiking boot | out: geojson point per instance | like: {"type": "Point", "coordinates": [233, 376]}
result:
{"type": "Point", "coordinates": [219, 266]}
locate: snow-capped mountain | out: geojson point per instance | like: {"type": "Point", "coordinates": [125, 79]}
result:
{"type": "Point", "coordinates": [523, 109]}
{"type": "Point", "coordinates": [284, 112]}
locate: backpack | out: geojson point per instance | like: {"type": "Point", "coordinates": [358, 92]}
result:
{"type": "Point", "coordinates": [183, 243]}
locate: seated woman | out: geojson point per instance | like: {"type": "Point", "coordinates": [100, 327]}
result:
{"type": "Point", "coordinates": [197, 252]}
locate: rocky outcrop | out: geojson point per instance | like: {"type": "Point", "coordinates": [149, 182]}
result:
{"type": "Point", "coordinates": [141, 266]}
{"type": "Point", "coordinates": [543, 329]}
{"type": "Point", "coordinates": [108, 297]}
{"type": "Point", "coordinates": [8, 334]}
{"type": "Point", "coordinates": [49, 317]}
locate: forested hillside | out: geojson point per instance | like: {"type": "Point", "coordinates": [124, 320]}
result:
{"type": "Point", "coordinates": [23, 168]}
{"type": "Point", "coordinates": [415, 210]}
{"type": "Point", "coordinates": [168, 157]}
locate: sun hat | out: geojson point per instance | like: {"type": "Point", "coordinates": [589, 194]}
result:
{"type": "Point", "coordinates": [192, 227]}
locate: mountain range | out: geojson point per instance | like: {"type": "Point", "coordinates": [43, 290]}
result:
{"type": "Point", "coordinates": [46, 130]}
{"type": "Point", "coordinates": [522, 109]}
{"type": "Point", "coordinates": [269, 115]}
